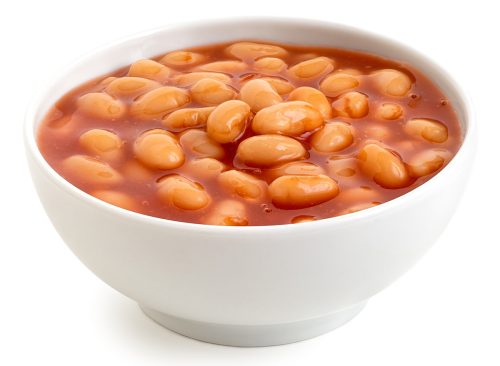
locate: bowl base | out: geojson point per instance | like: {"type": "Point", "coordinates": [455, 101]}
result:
{"type": "Point", "coordinates": [254, 335]}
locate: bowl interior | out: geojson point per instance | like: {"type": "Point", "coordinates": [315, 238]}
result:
{"type": "Point", "coordinates": [290, 31]}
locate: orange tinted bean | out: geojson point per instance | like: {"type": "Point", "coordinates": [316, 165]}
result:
{"type": "Point", "coordinates": [407, 146]}
{"type": "Point", "coordinates": [305, 56]}
{"type": "Point", "coordinates": [253, 51]}
{"type": "Point", "coordinates": [227, 67]}
{"type": "Point", "coordinates": [359, 194]}
{"type": "Point", "coordinates": [302, 218]}
{"type": "Point", "coordinates": [352, 105]}
{"type": "Point", "coordinates": [390, 111]}
{"type": "Point", "coordinates": [183, 193]}
{"type": "Point", "coordinates": [211, 92]}
{"type": "Point", "coordinates": [228, 121]}
{"type": "Point", "coordinates": [359, 207]}
{"type": "Point", "coordinates": [185, 118]}
{"type": "Point", "coordinates": [205, 167]}
{"type": "Point", "coordinates": [134, 171]}
{"type": "Point", "coordinates": [91, 170]}
{"type": "Point", "coordinates": [348, 71]}
{"type": "Point", "coordinates": [294, 168]}
{"type": "Point", "coordinates": [117, 198]}
{"type": "Point", "coordinates": [430, 130]}
{"type": "Point", "coordinates": [341, 167]}
{"type": "Point", "coordinates": [270, 65]}
{"type": "Point", "coordinates": [199, 144]}
{"type": "Point", "coordinates": [281, 86]}
{"type": "Point", "coordinates": [428, 161]}
{"type": "Point", "coordinates": [288, 118]}
{"type": "Point", "coordinates": [193, 77]}
{"type": "Point", "coordinates": [158, 102]}
{"type": "Point", "coordinates": [150, 69]}
{"type": "Point", "coordinates": [334, 136]}
{"type": "Point", "coordinates": [392, 82]}
{"type": "Point", "coordinates": [312, 68]}
{"type": "Point", "coordinates": [243, 185]}
{"type": "Point", "coordinates": [377, 132]}
{"type": "Point", "coordinates": [299, 191]}
{"type": "Point", "coordinates": [259, 94]}
{"type": "Point", "coordinates": [104, 83]}
{"type": "Point", "coordinates": [384, 166]}
{"type": "Point", "coordinates": [102, 143]}
{"type": "Point", "coordinates": [182, 59]}
{"type": "Point", "coordinates": [315, 98]}
{"type": "Point", "coordinates": [158, 149]}
{"type": "Point", "coordinates": [269, 150]}
{"type": "Point", "coordinates": [339, 82]}
{"type": "Point", "coordinates": [101, 105]}
{"type": "Point", "coordinates": [130, 87]}
{"type": "Point", "coordinates": [228, 213]}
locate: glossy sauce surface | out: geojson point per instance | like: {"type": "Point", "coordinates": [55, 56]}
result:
{"type": "Point", "coordinates": [361, 141]}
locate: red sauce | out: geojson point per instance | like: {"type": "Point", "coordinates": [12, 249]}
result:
{"type": "Point", "coordinates": [60, 131]}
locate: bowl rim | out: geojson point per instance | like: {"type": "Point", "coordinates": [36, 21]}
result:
{"type": "Point", "coordinates": [30, 140]}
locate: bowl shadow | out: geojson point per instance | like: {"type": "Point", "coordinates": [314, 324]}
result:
{"type": "Point", "coordinates": [140, 334]}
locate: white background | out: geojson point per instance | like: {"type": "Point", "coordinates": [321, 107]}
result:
{"type": "Point", "coordinates": [53, 311]}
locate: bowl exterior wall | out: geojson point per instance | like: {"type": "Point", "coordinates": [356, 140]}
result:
{"type": "Point", "coordinates": [249, 276]}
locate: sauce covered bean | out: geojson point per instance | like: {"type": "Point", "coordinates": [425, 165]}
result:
{"type": "Point", "coordinates": [228, 121]}
{"type": "Point", "coordinates": [182, 59]}
{"type": "Point", "coordinates": [199, 144]}
{"type": "Point", "coordinates": [315, 98]}
{"type": "Point", "coordinates": [339, 82]}
{"type": "Point", "coordinates": [158, 102]}
{"type": "Point", "coordinates": [269, 150]}
{"type": "Point", "coordinates": [150, 69]}
{"type": "Point", "coordinates": [288, 118]}
{"type": "Point", "coordinates": [299, 191]}
{"type": "Point", "coordinates": [384, 166]}
{"type": "Point", "coordinates": [185, 118]}
{"type": "Point", "coordinates": [101, 105]}
{"type": "Point", "coordinates": [102, 143]}
{"type": "Point", "coordinates": [334, 136]}
{"type": "Point", "coordinates": [242, 184]}
{"type": "Point", "coordinates": [211, 92]}
{"type": "Point", "coordinates": [259, 94]}
{"type": "Point", "coordinates": [182, 193]}
{"type": "Point", "coordinates": [312, 68]}
{"type": "Point", "coordinates": [158, 149]}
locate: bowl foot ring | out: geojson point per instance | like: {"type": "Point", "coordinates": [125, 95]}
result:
{"type": "Point", "coordinates": [254, 335]}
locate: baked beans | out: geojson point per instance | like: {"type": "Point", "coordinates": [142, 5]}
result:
{"type": "Point", "coordinates": [252, 133]}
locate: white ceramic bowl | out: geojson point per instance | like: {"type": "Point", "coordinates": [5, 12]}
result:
{"type": "Point", "coordinates": [250, 286]}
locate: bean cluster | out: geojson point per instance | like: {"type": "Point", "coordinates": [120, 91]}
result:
{"type": "Point", "coordinates": [222, 150]}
